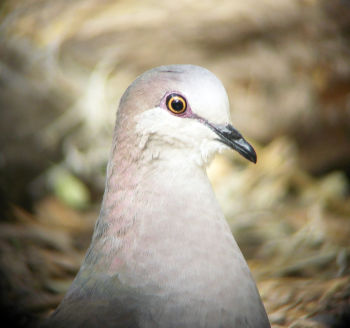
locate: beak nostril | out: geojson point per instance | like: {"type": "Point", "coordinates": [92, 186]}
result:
{"type": "Point", "coordinates": [231, 137]}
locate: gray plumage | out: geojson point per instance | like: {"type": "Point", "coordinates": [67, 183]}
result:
{"type": "Point", "coordinates": [162, 254]}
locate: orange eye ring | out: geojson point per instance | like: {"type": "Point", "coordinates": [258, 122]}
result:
{"type": "Point", "coordinates": [176, 103]}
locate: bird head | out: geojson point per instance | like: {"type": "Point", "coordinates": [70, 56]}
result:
{"type": "Point", "coordinates": [181, 109]}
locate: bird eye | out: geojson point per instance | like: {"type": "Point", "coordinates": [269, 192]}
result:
{"type": "Point", "coordinates": [176, 103]}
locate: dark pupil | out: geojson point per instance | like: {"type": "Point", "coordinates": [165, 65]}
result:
{"type": "Point", "coordinates": [177, 105]}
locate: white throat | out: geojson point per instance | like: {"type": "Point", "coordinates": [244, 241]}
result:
{"type": "Point", "coordinates": [166, 137]}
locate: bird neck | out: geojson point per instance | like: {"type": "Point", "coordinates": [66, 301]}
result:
{"type": "Point", "coordinates": [138, 197]}
{"type": "Point", "coordinates": [135, 179]}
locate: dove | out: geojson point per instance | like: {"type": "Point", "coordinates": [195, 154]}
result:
{"type": "Point", "coordinates": [162, 254]}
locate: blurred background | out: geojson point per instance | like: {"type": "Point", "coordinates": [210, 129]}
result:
{"type": "Point", "coordinates": [286, 66]}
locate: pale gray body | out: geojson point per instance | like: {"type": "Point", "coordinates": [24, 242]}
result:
{"type": "Point", "coordinates": [162, 254]}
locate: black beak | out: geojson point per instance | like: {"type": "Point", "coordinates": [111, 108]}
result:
{"type": "Point", "coordinates": [232, 138]}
